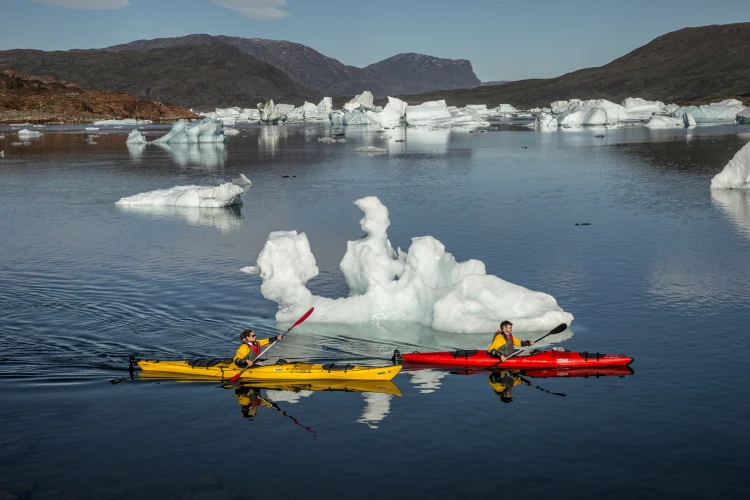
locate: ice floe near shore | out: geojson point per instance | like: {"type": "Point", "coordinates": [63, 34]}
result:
{"type": "Point", "coordinates": [128, 121]}
{"type": "Point", "coordinates": [736, 173]}
{"type": "Point", "coordinates": [29, 134]}
{"type": "Point", "coordinates": [424, 285]}
{"type": "Point", "coordinates": [234, 115]}
{"type": "Point", "coordinates": [224, 195]}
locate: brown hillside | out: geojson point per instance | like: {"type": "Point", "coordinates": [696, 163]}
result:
{"type": "Point", "coordinates": [44, 99]}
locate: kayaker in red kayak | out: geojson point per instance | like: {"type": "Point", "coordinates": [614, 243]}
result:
{"type": "Point", "coordinates": [503, 342]}
{"type": "Point", "coordinates": [502, 383]}
{"type": "Point", "coordinates": [250, 347]}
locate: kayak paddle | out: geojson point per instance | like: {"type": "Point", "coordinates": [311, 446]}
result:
{"type": "Point", "coordinates": [303, 318]}
{"type": "Point", "coordinates": [559, 328]}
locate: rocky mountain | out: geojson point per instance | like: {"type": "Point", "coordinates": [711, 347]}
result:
{"type": "Point", "coordinates": [43, 99]}
{"type": "Point", "coordinates": [690, 65]}
{"type": "Point", "coordinates": [404, 73]}
{"type": "Point", "coordinates": [204, 76]}
{"type": "Point", "coordinates": [426, 72]}
{"type": "Point", "coordinates": [494, 82]}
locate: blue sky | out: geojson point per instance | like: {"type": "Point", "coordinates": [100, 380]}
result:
{"type": "Point", "coordinates": [504, 39]}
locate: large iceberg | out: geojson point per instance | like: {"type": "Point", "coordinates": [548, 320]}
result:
{"type": "Point", "coordinates": [641, 109]}
{"type": "Point", "coordinates": [363, 100]}
{"type": "Point", "coordinates": [391, 116]}
{"type": "Point", "coordinates": [224, 195]}
{"type": "Point", "coordinates": [425, 285]}
{"type": "Point", "coordinates": [269, 113]}
{"type": "Point", "coordinates": [544, 122]}
{"type": "Point", "coordinates": [234, 115]}
{"type": "Point", "coordinates": [717, 112]}
{"type": "Point", "coordinates": [431, 113]}
{"type": "Point", "coordinates": [206, 130]}
{"type": "Point", "coordinates": [577, 113]}
{"type": "Point", "coordinates": [744, 116]}
{"type": "Point", "coordinates": [736, 173]}
{"type": "Point", "coordinates": [466, 117]}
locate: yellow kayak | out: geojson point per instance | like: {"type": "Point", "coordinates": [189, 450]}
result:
{"type": "Point", "coordinates": [225, 369]}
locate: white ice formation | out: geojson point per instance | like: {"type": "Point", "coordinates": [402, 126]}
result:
{"type": "Point", "coordinates": [135, 137]}
{"type": "Point", "coordinates": [29, 134]}
{"type": "Point", "coordinates": [91, 129]}
{"type": "Point", "coordinates": [224, 195]}
{"type": "Point", "coordinates": [229, 131]}
{"type": "Point", "coordinates": [663, 121]}
{"type": "Point", "coordinates": [234, 115]}
{"type": "Point", "coordinates": [744, 116]}
{"type": "Point", "coordinates": [206, 130]}
{"type": "Point", "coordinates": [128, 121]}
{"type": "Point", "coordinates": [736, 173]}
{"type": "Point", "coordinates": [268, 113]}
{"type": "Point", "coordinates": [363, 100]}
{"type": "Point", "coordinates": [392, 115]}
{"type": "Point", "coordinates": [425, 285]}
{"type": "Point", "coordinates": [717, 112]}
{"type": "Point", "coordinates": [545, 122]}
{"type": "Point", "coordinates": [242, 181]}
{"type": "Point", "coordinates": [429, 114]}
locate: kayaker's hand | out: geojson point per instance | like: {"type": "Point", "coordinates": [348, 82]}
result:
{"type": "Point", "coordinates": [279, 337]}
{"type": "Point", "coordinates": [531, 342]}
{"type": "Point", "coordinates": [503, 358]}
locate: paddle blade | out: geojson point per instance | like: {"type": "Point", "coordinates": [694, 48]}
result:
{"type": "Point", "coordinates": [303, 318]}
{"type": "Point", "coordinates": [236, 377]}
{"type": "Point", "coordinates": [559, 328]}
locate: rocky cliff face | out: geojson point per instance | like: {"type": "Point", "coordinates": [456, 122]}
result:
{"type": "Point", "coordinates": [43, 99]}
{"type": "Point", "coordinates": [426, 73]}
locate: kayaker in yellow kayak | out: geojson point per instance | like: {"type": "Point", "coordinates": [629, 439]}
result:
{"type": "Point", "coordinates": [503, 382]}
{"type": "Point", "coordinates": [250, 347]}
{"type": "Point", "coordinates": [503, 342]}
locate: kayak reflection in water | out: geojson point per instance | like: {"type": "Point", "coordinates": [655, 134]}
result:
{"type": "Point", "coordinates": [250, 348]}
{"type": "Point", "coordinates": [249, 399]}
{"type": "Point", "coordinates": [502, 383]}
{"type": "Point", "coordinates": [503, 343]}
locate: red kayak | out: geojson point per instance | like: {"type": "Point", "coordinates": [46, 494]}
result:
{"type": "Point", "coordinates": [535, 359]}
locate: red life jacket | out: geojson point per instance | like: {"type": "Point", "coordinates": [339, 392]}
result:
{"type": "Point", "coordinates": [255, 347]}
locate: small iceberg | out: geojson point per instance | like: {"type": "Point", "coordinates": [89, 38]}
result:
{"type": "Point", "coordinates": [425, 285]}
{"type": "Point", "coordinates": [224, 195]}
{"type": "Point", "coordinates": [29, 134]}
{"type": "Point", "coordinates": [204, 130]}
{"type": "Point", "coordinates": [135, 137]}
{"type": "Point", "coordinates": [736, 173]}
{"type": "Point", "coordinates": [242, 181]}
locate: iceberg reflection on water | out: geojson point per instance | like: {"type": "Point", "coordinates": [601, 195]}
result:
{"type": "Point", "coordinates": [736, 205]}
{"type": "Point", "coordinates": [208, 155]}
{"type": "Point", "coordinates": [224, 219]}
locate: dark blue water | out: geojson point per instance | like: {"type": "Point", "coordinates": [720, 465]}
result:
{"type": "Point", "coordinates": [661, 274]}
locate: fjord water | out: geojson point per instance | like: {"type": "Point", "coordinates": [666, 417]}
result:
{"type": "Point", "coordinates": [661, 273]}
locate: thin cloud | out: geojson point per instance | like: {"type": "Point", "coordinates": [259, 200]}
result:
{"type": "Point", "coordinates": [86, 4]}
{"type": "Point", "coordinates": [256, 9]}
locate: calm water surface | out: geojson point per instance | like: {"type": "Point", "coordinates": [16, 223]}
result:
{"type": "Point", "coordinates": [660, 274]}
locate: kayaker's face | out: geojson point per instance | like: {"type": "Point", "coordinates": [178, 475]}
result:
{"type": "Point", "coordinates": [508, 328]}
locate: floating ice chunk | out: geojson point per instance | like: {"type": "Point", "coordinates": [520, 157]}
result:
{"type": "Point", "coordinates": [744, 116]}
{"type": "Point", "coordinates": [28, 134]}
{"type": "Point", "coordinates": [203, 130]}
{"type": "Point", "coordinates": [579, 117]}
{"type": "Point", "coordinates": [135, 137]}
{"type": "Point", "coordinates": [242, 181]}
{"type": "Point", "coordinates": [544, 122]}
{"type": "Point", "coordinates": [91, 129]}
{"type": "Point", "coordinates": [425, 285]}
{"type": "Point", "coordinates": [736, 173]}
{"type": "Point", "coordinates": [128, 121]}
{"type": "Point", "coordinates": [363, 100]}
{"type": "Point", "coordinates": [330, 140]}
{"type": "Point", "coordinates": [224, 195]}
{"type": "Point", "coordinates": [431, 113]}
{"type": "Point", "coordinates": [370, 149]}
{"type": "Point", "coordinates": [391, 116]}
{"type": "Point", "coordinates": [718, 112]}
{"type": "Point", "coordinates": [20, 143]}
{"type": "Point", "coordinates": [2, 154]}
{"type": "Point", "coordinates": [229, 131]}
